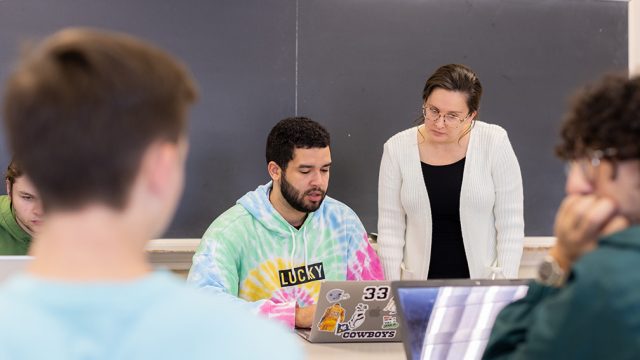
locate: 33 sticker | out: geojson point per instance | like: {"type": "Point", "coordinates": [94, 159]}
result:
{"type": "Point", "coordinates": [376, 293]}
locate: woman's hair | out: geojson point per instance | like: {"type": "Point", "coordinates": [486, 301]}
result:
{"type": "Point", "coordinates": [458, 78]}
{"type": "Point", "coordinates": [455, 77]}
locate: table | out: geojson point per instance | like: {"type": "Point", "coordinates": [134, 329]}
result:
{"type": "Point", "coordinates": [353, 351]}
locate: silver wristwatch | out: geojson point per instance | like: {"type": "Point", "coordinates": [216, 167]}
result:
{"type": "Point", "coordinates": [550, 273]}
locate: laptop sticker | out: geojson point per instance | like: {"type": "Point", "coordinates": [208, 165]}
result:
{"type": "Point", "coordinates": [349, 329]}
{"type": "Point", "coordinates": [389, 322]}
{"type": "Point", "coordinates": [358, 316]}
{"type": "Point", "coordinates": [391, 307]}
{"type": "Point", "coordinates": [336, 295]}
{"type": "Point", "coordinates": [364, 334]}
{"type": "Point", "coordinates": [332, 315]}
{"type": "Point", "coordinates": [376, 293]}
{"type": "Point", "coordinates": [341, 328]}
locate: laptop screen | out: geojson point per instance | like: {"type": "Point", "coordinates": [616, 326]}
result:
{"type": "Point", "coordinates": [452, 320]}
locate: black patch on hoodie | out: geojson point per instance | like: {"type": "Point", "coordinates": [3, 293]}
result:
{"type": "Point", "coordinates": [299, 275]}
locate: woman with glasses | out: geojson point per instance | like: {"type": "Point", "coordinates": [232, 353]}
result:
{"type": "Point", "coordinates": [450, 191]}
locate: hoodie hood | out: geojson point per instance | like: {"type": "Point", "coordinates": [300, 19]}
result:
{"type": "Point", "coordinates": [13, 239]}
{"type": "Point", "coordinates": [258, 205]}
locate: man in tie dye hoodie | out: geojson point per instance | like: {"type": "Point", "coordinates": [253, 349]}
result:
{"type": "Point", "coordinates": [273, 248]}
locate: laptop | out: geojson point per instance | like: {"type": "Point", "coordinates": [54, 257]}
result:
{"type": "Point", "coordinates": [451, 319]}
{"type": "Point", "coordinates": [354, 311]}
{"type": "Point", "coordinates": [10, 265]}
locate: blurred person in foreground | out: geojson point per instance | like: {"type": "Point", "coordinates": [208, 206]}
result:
{"type": "Point", "coordinates": [584, 304]}
{"type": "Point", "coordinates": [113, 108]}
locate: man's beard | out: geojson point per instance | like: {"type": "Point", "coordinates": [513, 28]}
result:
{"type": "Point", "coordinates": [296, 200]}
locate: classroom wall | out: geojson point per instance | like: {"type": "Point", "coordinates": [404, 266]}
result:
{"type": "Point", "coordinates": [358, 67]}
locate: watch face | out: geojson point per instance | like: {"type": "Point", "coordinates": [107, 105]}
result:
{"type": "Point", "coordinates": [545, 270]}
{"type": "Point", "coordinates": [550, 274]}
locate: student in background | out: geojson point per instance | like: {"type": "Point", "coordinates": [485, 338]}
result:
{"type": "Point", "coordinates": [278, 242]}
{"type": "Point", "coordinates": [20, 212]}
{"type": "Point", "coordinates": [584, 304]}
{"type": "Point", "coordinates": [450, 191]}
{"type": "Point", "coordinates": [114, 108]}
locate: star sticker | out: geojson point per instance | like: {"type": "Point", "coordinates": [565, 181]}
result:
{"type": "Point", "coordinates": [342, 328]}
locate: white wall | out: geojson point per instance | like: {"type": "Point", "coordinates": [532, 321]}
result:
{"type": "Point", "coordinates": [634, 36]}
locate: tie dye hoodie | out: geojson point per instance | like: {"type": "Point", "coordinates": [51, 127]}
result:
{"type": "Point", "coordinates": [252, 253]}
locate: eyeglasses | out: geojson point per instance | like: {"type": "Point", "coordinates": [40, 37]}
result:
{"type": "Point", "coordinates": [590, 163]}
{"type": "Point", "coordinates": [450, 120]}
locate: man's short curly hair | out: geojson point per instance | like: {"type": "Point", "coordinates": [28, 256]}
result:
{"type": "Point", "coordinates": [294, 133]}
{"type": "Point", "coordinates": [604, 115]}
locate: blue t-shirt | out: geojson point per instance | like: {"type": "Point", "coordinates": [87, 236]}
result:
{"type": "Point", "coordinates": [155, 317]}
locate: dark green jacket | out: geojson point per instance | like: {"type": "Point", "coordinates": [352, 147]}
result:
{"type": "Point", "coordinates": [596, 315]}
{"type": "Point", "coordinates": [13, 239]}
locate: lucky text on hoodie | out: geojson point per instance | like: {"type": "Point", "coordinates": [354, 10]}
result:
{"type": "Point", "coordinates": [301, 274]}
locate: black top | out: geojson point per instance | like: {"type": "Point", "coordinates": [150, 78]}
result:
{"type": "Point", "coordinates": [448, 259]}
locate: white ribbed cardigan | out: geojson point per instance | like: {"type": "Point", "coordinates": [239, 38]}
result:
{"type": "Point", "coordinates": [491, 206]}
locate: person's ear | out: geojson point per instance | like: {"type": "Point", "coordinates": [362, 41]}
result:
{"type": "Point", "coordinates": [275, 172]}
{"type": "Point", "coordinates": [159, 164]}
{"type": "Point", "coordinates": [8, 183]}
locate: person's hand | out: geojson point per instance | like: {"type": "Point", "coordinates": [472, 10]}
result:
{"type": "Point", "coordinates": [304, 316]}
{"type": "Point", "coordinates": [580, 221]}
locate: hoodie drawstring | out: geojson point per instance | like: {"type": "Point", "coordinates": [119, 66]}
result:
{"type": "Point", "coordinates": [293, 249]}
{"type": "Point", "coordinates": [304, 239]}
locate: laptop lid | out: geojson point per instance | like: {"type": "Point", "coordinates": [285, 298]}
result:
{"type": "Point", "coordinates": [10, 265]}
{"type": "Point", "coordinates": [451, 319]}
{"type": "Point", "coordinates": [355, 311]}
